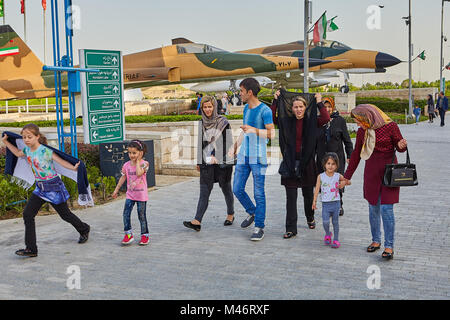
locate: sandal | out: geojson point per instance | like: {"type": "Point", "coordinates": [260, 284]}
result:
{"type": "Point", "coordinates": [288, 235]}
{"type": "Point", "coordinates": [327, 239]}
{"type": "Point", "coordinates": [373, 248]}
{"type": "Point", "coordinates": [228, 222]}
{"type": "Point", "coordinates": [387, 255]}
{"type": "Point", "coordinates": [312, 224]}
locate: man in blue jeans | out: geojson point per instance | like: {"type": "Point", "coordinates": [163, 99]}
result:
{"type": "Point", "coordinates": [256, 129]}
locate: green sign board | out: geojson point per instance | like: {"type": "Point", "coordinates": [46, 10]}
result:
{"type": "Point", "coordinates": [102, 94]}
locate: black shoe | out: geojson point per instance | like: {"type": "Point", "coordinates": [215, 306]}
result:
{"type": "Point", "coordinates": [289, 234]}
{"type": "Point", "coordinates": [341, 211]}
{"type": "Point", "coordinates": [190, 225]}
{"type": "Point", "coordinates": [387, 255]}
{"type": "Point", "coordinates": [84, 236]}
{"type": "Point", "coordinates": [26, 253]}
{"type": "Point", "coordinates": [312, 224]}
{"type": "Point", "coordinates": [372, 248]}
{"type": "Point", "coordinates": [228, 222]}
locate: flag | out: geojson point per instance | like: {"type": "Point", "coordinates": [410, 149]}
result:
{"type": "Point", "coordinates": [422, 55]}
{"type": "Point", "coordinates": [322, 26]}
{"type": "Point", "coordinates": [2, 8]}
{"type": "Point", "coordinates": [320, 29]}
{"type": "Point", "coordinates": [22, 6]}
{"type": "Point", "coordinates": [331, 26]}
{"type": "Point", "coordinates": [44, 4]}
{"type": "Point", "coordinates": [447, 66]}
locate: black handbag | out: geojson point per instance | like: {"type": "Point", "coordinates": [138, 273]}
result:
{"type": "Point", "coordinates": [400, 174]}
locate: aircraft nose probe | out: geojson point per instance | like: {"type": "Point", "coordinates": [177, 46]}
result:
{"type": "Point", "coordinates": [383, 60]}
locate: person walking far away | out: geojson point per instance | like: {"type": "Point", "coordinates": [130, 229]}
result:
{"type": "Point", "coordinates": [134, 172]}
{"type": "Point", "coordinates": [442, 106]}
{"type": "Point", "coordinates": [417, 112]}
{"type": "Point", "coordinates": [49, 186]}
{"type": "Point", "coordinates": [431, 109]}
{"type": "Point", "coordinates": [257, 128]}
{"type": "Point", "coordinates": [329, 182]}
{"type": "Point", "coordinates": [199, 100]}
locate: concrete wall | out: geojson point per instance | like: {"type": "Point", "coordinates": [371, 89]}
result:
{"type": "Point", "coordinates": [155, 107]}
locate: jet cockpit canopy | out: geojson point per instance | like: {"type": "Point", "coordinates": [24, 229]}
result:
{"type": "Point", "coordinates": [330, 44]}
{"type": "Point", "coordinates": [197, 48]}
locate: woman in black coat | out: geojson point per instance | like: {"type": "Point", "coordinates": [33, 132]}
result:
{"type": "Point", "coordinates": [333, 137]}
{"type": "Point", "coordinates": [215, 139]}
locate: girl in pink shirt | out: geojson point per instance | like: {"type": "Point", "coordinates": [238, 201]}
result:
{"type": "Point", "coordinates": [134, 172]}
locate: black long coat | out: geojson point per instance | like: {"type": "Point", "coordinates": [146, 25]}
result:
{"type": "Point", "coordinates": [339, 137]}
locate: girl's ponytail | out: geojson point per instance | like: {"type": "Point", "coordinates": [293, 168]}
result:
{"type": "Point", "coordinates": [34, 129]}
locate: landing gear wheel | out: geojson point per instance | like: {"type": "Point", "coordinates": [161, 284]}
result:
{"type": "Point", "coordinates": [344, 89]}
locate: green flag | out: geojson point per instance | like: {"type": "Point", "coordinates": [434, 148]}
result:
{"type": "Point", "coordinates": [422, 55]}
{"type": "Point", "coordinates": [2, 8]}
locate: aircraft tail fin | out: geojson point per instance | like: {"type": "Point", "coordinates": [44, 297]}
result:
{"type": "Point", "coordinates": [20, 69]}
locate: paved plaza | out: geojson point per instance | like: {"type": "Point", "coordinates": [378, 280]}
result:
{"type": "Point", "coordinates": [222, 263]}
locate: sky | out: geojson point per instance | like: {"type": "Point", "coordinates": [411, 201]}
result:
{"type": "Point", "coordinates": [137, 25]}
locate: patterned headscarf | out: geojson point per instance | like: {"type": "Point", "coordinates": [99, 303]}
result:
{"type": "Point", "coordinates": [330, 101]}
{"type": "Point", "coordinates": [372, 118]}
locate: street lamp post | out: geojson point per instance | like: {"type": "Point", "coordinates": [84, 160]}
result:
{"type": "Point", "coordinates": [441, 63]}
{"type": "Point", "coordinates": [306, 48]}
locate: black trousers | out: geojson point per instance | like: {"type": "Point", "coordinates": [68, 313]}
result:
{"type": "Point", "coordinates": [291, 206]}
{"type": "Point", "coordinates": [205, 192]}
{"type": "Point", "coordinates": [442, 114]}
{"type": "Point", "coordinates": [30, 212]}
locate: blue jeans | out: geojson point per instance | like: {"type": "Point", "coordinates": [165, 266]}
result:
{"type": "Point", "coordinates": [141, 208]}
{"type": "Point", "coordinates": [385, 212]}
{"type": "Point", "coordinates": [241, 174]}
{"type": "Point", "coordinates": [331, 209]}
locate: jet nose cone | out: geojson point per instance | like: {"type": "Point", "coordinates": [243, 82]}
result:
{"type": "Point", "coordinates": [383, 60]}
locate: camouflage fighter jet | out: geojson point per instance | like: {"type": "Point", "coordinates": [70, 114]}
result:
{"type": "Point", "coordinates": [21, 74]}
{"type": "Point", "coordinates": [342, 59]}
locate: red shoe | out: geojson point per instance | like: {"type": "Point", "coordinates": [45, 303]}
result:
{"type": "Point", "coordinates": [127, 239]}
{"type": "Point", "coordinates": [144, 240]}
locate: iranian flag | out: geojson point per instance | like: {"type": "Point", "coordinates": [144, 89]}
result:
{"type": "Point", "coordinates": [322, 26]}
{"type": "Point", "coordinates": [9, 51]}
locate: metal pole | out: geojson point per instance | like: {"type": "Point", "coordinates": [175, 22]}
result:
{"type": "Point", "coordinates": [45, 38]}
{"type": "Point", "coordinates": [4, 13]}
{"type": "Point", "coordinates": [409, 60]}
{"type": "Point", "coordinates": [441, 85]}
{"type": "Point", "coordinates": [306, 49]}
{"type": "Point", "coordinates": [24, 21]}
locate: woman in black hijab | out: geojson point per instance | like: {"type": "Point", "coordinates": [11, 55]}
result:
{"type": "Point", "coordinates": [333, 136]}
{"type": "Point", "coordinates": [297, 120]}
{"type": "Point", "coordinates": [215, 139]}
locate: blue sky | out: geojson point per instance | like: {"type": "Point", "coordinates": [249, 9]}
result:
{"type": "Point", "coordinates": [137, 25]}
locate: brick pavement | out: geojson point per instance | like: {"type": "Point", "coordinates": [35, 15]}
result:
{"type": "Point", "coordinates": [221, 263]}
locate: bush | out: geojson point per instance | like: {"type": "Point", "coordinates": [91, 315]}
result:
{"type": "Point", "coordinates": [11, 193]}
{"type": "Point", "coordinates": [88, 153]}
{"type": "Point", "coordinates": [390, 105]}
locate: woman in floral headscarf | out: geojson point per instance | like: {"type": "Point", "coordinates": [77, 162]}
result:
{"type": "Point", "coordinates": [376, 141]}
{"type": "Point", "coordinates": [333, 137]}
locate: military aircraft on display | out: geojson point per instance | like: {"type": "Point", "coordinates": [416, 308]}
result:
{"type": "Point", "coordinates": [21, 74]}
{"type": "Point", "coordinates": [343, 59]}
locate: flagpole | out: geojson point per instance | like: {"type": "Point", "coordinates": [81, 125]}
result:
{"type": "Point", "coordinates": [306, 49]}
{"type": "Point", "coordinates": [4, 13]}
{"type": "Point", "coordinates": [409, 60]}
{"type": "Point", "coordinates": [45, 38]}
{"type": "Point", "coordinates": [24, 22]}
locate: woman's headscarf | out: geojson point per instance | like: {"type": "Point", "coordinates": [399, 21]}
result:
{"type": "Point", "coordinates": [372, 118]}
{"type": "Point", "coordinates": [330, 101]}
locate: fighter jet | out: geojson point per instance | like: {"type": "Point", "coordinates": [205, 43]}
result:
{"type": "Point", "coordinates": [343, 59]}
{"type": "Point", "coordinates": [21, 74]}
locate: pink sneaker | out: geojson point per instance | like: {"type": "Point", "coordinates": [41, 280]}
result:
{"type": "Point", "coordinates": [327, 239]}
{"type": "Point", "coordinates": [144, 240]}
{"type": "Point", "coordinates": [336, 244]}
{"type": "Point", "coordinates": [127, 239]}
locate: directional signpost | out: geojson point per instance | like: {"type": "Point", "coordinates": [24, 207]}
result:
{"type": "Point", "coordinates": [102, 96]}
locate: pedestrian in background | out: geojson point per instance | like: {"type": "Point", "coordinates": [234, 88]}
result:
{"type": "Point", "coordinates": [442, 105]}
{"type": "Point", "coordinates": [431, 109]}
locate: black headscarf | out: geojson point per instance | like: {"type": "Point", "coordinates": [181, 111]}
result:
{"type": "Point", "coordinates": [289, 167]}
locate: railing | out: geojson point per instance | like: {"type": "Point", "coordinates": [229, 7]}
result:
{"type": "Point", "coordinates": [27, 108]}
